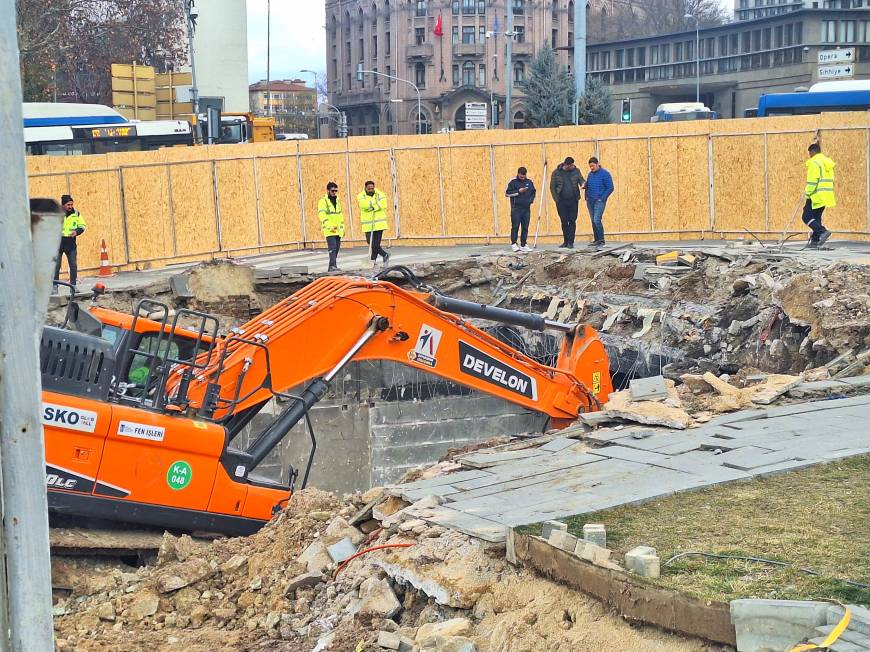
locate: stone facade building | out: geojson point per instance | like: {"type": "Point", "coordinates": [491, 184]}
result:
{"type": "Point", "coordinates": [465, 64]}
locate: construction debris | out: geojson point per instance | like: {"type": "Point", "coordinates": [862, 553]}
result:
{"type": "Point", "coordinates": [667, 412]}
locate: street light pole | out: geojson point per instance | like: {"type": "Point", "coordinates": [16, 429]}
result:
{"type": "Point", "coordinates": [268, 59]}
{"type": "Point", "coordinates": [579, 56]}
{"type": "Point", "coordinates": [194, 92]}
{"type": "Point", "coordinates": [360, 72]}
{"type": "Point", "coordinates": [508, 63]}
{"type": "Point", "coordinates": [697, 56]}
{"type": "Point", "coordinates": [316, 98]}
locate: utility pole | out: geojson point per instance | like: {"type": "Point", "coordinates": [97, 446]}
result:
{"type": "Point", "coordinates": [194, 92]}
{"type": "Point", "coordinates": [508, 63]}
{"type": "Point", "coordinates": [268, 60]}
{"type": "Point", "coordinates": [579, 56]}
{"type": "Point", "coordinates": [25, 582]}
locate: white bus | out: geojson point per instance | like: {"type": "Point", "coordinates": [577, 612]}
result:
{"type": "Point", "coordinates": [74, 129]}
{"type": "Point", "coordinates": [674, 111]}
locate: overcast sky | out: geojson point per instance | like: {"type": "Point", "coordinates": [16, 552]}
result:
{"type": "Point", "coordinates": [298, 39]}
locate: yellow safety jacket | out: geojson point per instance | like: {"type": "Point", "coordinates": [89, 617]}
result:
{"type": "Point", "coordinates": [820, 181]}
{"type": "Point", "coordinates": [71, 223]}
{"type": "Point", "coordinates": [331, 217]}
{"type": "Point", "coordinates": [373, 211]}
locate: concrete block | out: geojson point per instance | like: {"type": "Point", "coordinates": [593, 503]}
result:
{"type": "Point", "coordinates": [341, 550]}
{"type": "Point", "coordinates": [562, 540]}
{"type": "Point", "coordinates": [265, 274]}
{"type": "Point", "coordinates": [775, 624]}
{"type": "Point", "coordinates": [595, 533]}
{"type": "Point", "coordinates": [389, 640]}
{"type": "Point", "coordinates": [306, 579]}
{"type": "Point", "coordinates": [648, 389]}
{"type": "Point", "coordinates": [644, 561]}
{"type": "Point", "coordinates": [547, 528]}
{"type": "Point", "coordinates": [178, 285]}
{"type": "Point", "coordinates": [592, 552]}
{"type": "Point", "coordinates": [510, 546]}
{"type": "Point", "coordinates": [849, 636]}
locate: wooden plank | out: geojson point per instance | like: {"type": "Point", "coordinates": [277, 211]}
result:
{"type": "Point", "coordinates": [173, 79]}
{"type": "Point", "coordinates": [193, 208]}
{"type": "Point", "coordinates": [238, 208]}
{"type": "Point", "coordinates": [738, 170]}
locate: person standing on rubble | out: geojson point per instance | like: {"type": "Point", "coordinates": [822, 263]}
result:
{"type": "Point", "coordinates": [373, 215]}
{"type": "Point", "coordinates": [598, 186]}
{"type": "Point", "coordinates": [73, 227]}
{"type": "Point", "coordinates": [521, 192]}
{"type": "Point", "coordinates": [331, 223]}
{"type": "Point", "coordinates": [565, 185]}
{"type": "Point", "coordinates": [819, 193]}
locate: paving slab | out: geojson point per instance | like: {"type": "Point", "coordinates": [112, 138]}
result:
{"type": "Point", "coordinates": [558, 444]}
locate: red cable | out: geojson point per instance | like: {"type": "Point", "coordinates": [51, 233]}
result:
{"type": "Point", "coordinates": [362, 552]}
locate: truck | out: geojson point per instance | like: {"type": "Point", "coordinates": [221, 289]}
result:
{"type": "Point", "coordinates": [239, 128]}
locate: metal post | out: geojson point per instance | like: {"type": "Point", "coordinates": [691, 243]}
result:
{"type": "Point", "coordinates": [579, 56]}
{"type": "Point", "coordinates": [508, 62]}
{"type": "Point", "coordinates": [268, 60]}
{"type": "Point", "coordinates": [697, 60]}
{"type": "Point", "coordinates": [25, 601]}
{"type": "Point", "coordinates": [194, 92]}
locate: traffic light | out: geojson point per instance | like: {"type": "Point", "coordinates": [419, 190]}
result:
{"type": "Point", "coordinates": [359, 72]}
{"type": "Point", "coordinates": [626, 110]}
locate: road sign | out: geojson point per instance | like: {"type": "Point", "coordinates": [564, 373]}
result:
{"type": "Point", "coordinates": [836, 72]}
{"type": "Point", "coordinates": [836, 56]}
{"type": "Point", "coordinates": [476, 114]}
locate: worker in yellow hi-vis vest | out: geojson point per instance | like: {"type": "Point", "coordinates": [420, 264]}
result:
{"type": "Point", "coordinates": [373, 214]}
{"type": "Point", "coordinates": [331, 223]}
{"type": "Point", "coordinates": [73, 227]}
{"type": "Point", "coordinates": [820, 194]}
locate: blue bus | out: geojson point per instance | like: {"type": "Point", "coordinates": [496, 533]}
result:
{"type": "Point", "coordinates": [812, 102]}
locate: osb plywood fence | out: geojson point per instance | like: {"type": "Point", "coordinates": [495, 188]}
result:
{"type": "Point", "coordinates": [683, 180]}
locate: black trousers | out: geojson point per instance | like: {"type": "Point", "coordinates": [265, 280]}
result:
{"type": "Point", "coordinates": [812, 217]}
{"type": "Point", "coordinates": [333, 242]}
{"type": "Point", "coordinates": [520, 217]}
{"type": "Point", "coordinates": [69, 248]}
{"type": "Point", "coordinates": [567, 209]}
{"type": "Point", "coordinates": [374, 238]}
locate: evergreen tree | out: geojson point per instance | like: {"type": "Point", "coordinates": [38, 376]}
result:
{"type": "Point", "coordinates": [595, 105]}
{"type": "Point", "coordinates": [549, 91]}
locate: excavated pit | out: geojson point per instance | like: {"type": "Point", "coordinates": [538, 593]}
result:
{"type": "Point", "coordinates": [742, 310]}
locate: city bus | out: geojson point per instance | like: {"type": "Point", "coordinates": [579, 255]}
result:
{"type": "Point", "coordinates": [65, 129]}
{"type": "Point", "coordinates": [851, 95]}
{"type": "Point", "coordinates": [672, 111]}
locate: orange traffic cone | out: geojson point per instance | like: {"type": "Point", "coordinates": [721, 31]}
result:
{"type": "Point", "coordinates": [105, 269]}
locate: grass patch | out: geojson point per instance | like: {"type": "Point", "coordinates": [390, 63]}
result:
{"type": "Point", "coordinates": [817, 518]}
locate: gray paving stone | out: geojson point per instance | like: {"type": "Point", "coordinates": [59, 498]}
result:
{"type": "Point", "coordinates": [558, 444]}
{"type": "Point", "coordinates": [630, 454]}
{"type": "Point", "coordinates": [488, 460]}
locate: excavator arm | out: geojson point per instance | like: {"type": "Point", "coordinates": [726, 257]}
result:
{"type": "Point", "coordinates": [313, 333]}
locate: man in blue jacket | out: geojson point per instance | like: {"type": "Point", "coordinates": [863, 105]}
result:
{"type": "Point", "coordinates": [599, 186]}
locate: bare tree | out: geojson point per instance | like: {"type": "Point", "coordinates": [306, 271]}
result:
{"type": "Point", "coordinates": [618, 19]}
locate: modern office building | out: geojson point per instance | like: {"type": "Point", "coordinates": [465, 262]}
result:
{"type": "Point", "coordinates": [220, 43]}
{"type": "Point", "coordinates": [289, 101]}
{"type": "Point", "coordinates": [739, 61]}
{"type": "Point", "coordinates": [466, 64]}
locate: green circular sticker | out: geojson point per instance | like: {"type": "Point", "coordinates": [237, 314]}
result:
{"type": "Point", "coordinates": [179, 474]}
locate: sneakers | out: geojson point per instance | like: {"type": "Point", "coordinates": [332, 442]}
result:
{"type": "Point", "coordinates": [823, 238]}
{"type": "Point", "coordinates": [386, 258]}
{"type": "Point", "coordinates": [525, 249]}
{"type": "Point", "coordinates": [600, 245]}
{"type": "Point", "coordinates": [333, 269]}
{"type": "Point", "coordinates": [515, 247]}
{"type": "Point", "coordinates": [592, 244]}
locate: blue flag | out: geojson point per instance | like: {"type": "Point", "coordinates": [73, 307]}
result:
{"type": "Point", "coordinates": [495, 26]}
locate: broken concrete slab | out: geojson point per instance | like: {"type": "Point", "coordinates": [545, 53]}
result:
{"type": "Point", "coordinates": [644, 561]}
{"type": "Point", "coordinates": [775, 624]}
{"type": "Point", "coordinates": [563, 540]}
{"type": "Point", "coordinates": [648, 389]}
{"type": "Point", "coordinates": [341, 550]}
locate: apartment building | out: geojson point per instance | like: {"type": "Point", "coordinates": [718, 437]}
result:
{"type": "Point", "coordinates": [465, 64]}
{"type": "Point", "coordinates": [289, 101]}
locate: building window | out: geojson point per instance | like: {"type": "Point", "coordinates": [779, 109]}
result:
{"type": "Point", "coordinates": [455, 7]}
{"type": "Point", "coordinates": [765, 39]}
{"type": "Point", "coordinates": [456, 74]}
{"type": "Point", "coordinates": [468, 73]}
{"type": "Point", "coordinates": [419, 35]}
{"type": "Point", "coordinates": [520, 34]}
{"type": "Point", "coordinates": [690, 50]}
{"type": "Point", "coordinates": [519, 7]}
{"type": "Point", "coordinates": [756, 40]}
{"type": "Point", "coordinates": [605, 61]}
{"type": "Point", "coordinates": [388, 81]}
{"type": "Point", "coordinates": [481, 7]}
{"type": "Point", "coordinates": [468, 7]}
{"type": "Point", "coordinates": [629, 58]}
{"type": "Point", "coordinates": [829, 31]}
{"type": "Point", "coordinates": [641, 56]}
{"type": "Point", "coordinates": [387, 44]}
{"type": "Point", "coordinates": [847, 31]}
{"type": "Point", "coordinates": [481, 34]}
{"type": "Point", "coordinates": [362, 54]}
{"type": "Point", "coordinates": [733, 39]}
{"type": "Point", "coordinates": [620, 55]}
{"type": "Point", "coordinates": [420, 75]}
{"type": "Point", "coordinates": [454, 35]}
{"type": "Point", "coordinates": [348, 85]}
{"type": "Point", "coordinates": [347, 52]}
{"type": "Point", "coordinates": [519, 72]}
{"type": "Point", "coordinates": [420, 8]}
{"type": "Point", "coordinates": [666, 53]}
{"type": "Point", "coordinates": [746, 44]}
{"type": "Point", "coordinates": [864, 34]}
{"type": "Point", "coordinates": [571, 11]}
{"type": "Point", "coordinates": [374, 46]}
{"type": "Point", "coordinates": [468, 35]}
{"type": "Point", "coordinates": [554, 38]}
{"type": "Point", "coordinates": [798, 33]}
{"type": "Point", "coordinates": [777, 37]}
{"type": "Point", "coordinates": [592, 61]}
{"type": "Point", "coordinates": [481, 75]}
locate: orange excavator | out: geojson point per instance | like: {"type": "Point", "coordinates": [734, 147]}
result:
{"type": "Point", "coordinates": [140, 414]}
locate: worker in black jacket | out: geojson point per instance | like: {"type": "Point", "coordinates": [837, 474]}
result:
{"type": "Point", "coordinates": [565, 185]}
{"type": "Point", "coordinates": [521, 192]}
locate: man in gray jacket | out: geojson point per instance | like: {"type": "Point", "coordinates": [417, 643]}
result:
{"type": "Point", "coordinates": [565, 184]}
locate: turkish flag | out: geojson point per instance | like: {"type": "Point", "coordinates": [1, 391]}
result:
{"type": "Point", "coordinates": [438, 31]}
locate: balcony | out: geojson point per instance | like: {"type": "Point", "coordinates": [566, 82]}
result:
{"type": "Point", "coordinates": [423, 51]}
{"type": "Point", "coordinates": [524, 49]}
{"type": "Point", "coordinates": [469, 49]}
{"type": "Point", "coordinates": [359, 96]}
